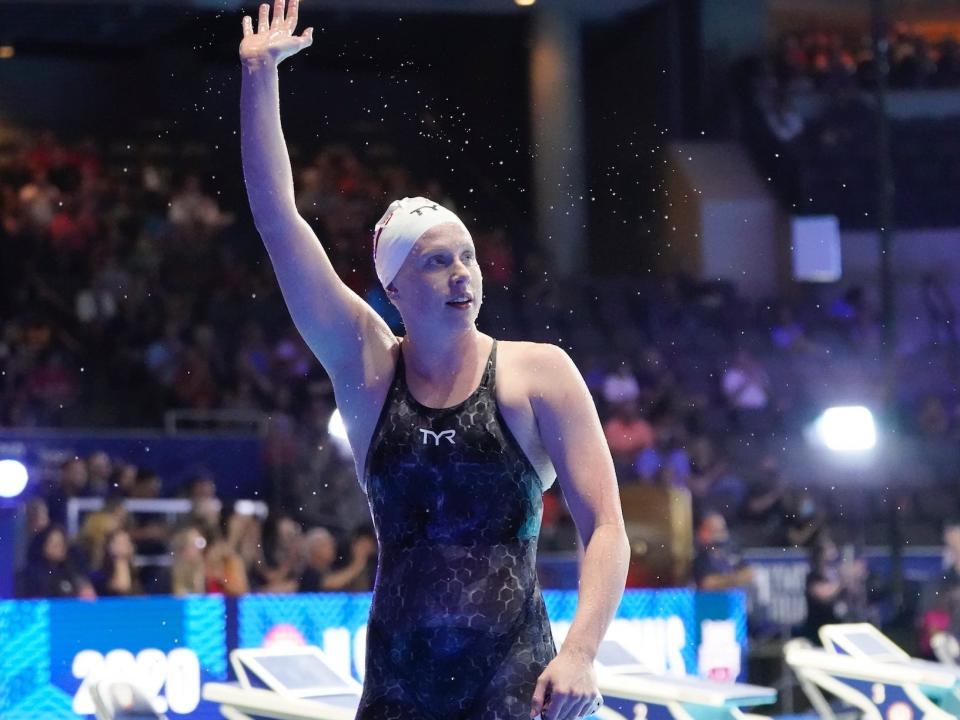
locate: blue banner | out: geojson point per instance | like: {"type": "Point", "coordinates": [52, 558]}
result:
{"type": "Point", "coordinates": [53, 648]}
{"type": "Point", "coordinates": [234, 461]}
{"type": "Point", "coordinates": [777, 599]}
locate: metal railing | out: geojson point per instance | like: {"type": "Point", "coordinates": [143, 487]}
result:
{"type": "Point", "coordinates": [213, 421]}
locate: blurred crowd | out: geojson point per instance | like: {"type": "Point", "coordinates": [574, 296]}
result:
{"type": "Point", "coordinates": [808, 114]}
{"type": "Point", "coordinates": [132, 287]}
{"type": "Point", "coordinates": [828, 59]}
{"type": "Point", "coordinates": [229, 548]}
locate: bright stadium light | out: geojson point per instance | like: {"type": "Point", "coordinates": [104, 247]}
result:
{"type": "Point", "coordinates": [338, 433]}
{"type": "Point", "coordinates": [13, 478]}
{"type": "Point", "coordinates": [847, 429]}
{"type": "Point", "coordinates": [335, 426]}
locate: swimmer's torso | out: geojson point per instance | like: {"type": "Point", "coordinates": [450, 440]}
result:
{"type": "Point", "coordinates": [457, 625]}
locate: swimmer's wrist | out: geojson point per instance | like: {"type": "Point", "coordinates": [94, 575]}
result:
{"type": "Point", "coordinates": [258, 64]}
{"type": "Point", "coordinates": [578, 651]}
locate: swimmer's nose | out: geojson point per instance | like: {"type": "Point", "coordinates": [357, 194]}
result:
{"type": "Point", "coordinates": [459, 275]}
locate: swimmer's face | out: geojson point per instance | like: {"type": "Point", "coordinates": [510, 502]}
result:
{"type": "Point", "coordinates": [440, 281]}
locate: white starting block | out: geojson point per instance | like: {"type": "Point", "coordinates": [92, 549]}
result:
{"type": "Point", "coordinates": [285, 684]}
{"type": "Point", "coordinates": [121, 699]}
{"type": "Point", "coordinates": [864, 668]}
{"type": "Point", "coordinates": [630, 690]}
{"type": "Point", "coordinates": [302, 684]}
{"type": "Point", "coordinates": [946, 648]}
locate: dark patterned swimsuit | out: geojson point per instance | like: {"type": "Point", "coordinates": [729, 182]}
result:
{"type": "Point", "coordinates": [457, 629]}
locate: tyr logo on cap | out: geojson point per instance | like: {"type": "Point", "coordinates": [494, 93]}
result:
{"type": "Point", "coordinates": [419, 210]}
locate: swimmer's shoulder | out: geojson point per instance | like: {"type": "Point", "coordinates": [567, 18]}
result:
{"type": "Point", "coordinates": [539, 366]}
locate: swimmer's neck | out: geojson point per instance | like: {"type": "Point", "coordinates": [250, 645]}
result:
{"type": "Point", "coordinates": [436, 358]}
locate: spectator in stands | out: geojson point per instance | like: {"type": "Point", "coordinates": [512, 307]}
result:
{"type": "Point", "coordinates": [37, 515]}
{"type": "Point", "coordinates": [783, 120]}
{"type": "Point", "coordinates": [195, 210]}
{"type": "Point", "coordinates": [244, 536]}
{"type": "Point", "coordinates": [714, 484]}
{"type": "Point", "coordinates": [933, 419]}
{"type": "Point", "coordinates": [666, 462]}
{"type": "Point", "coordinates": [39, 199]}
{"type": "Point", "coordinates": [50, 572]}
{"type": "Point", "coordinates": [36, 520]}
{"type": "Point", "coordinates": [194, 383]}
{"type": "Point", "coordinates": [163, 355]}
{"type": "Point", "coordinates": [91, 541]}
{"type": "Point", "coordinates": [99, 472]}
{"type": "Point", "coordinates": [187, 572]}
{"type": "Point", "coordinates": [747, 389]}
{"type": "Point", "coordinates": [117, 575]}
{"type": "Point", "coordinates": [149, 530]}
{"type": "Point", "coordinates": [321, 552]}
{"type": "Point", "coordinates": [620, 385]}
{"type": "Point", "coordinates": [52, 385]}
{"type": "Point", "coordinates": [499, 264]}
{"type": "Point", "coordinates": [942, 611]}
{"type": "Point", "coordinates": [283, 555]}
{"type": "Point", "coordinates": [717, 564]}
{"type": "Point", "coordinates": [835, 587]}
{"type": "Point", "coordinates": [201, 491]}
{"type": "Point", "coordinates": [225, 573]}
{"type": "Point", "coordinates": [788, 333]}
{"type": "Point", "coordinates": [627, 434]}
{"type": "Point", "coordinates": [658, 384]}
{"type": "Point", "coordinates": [948, 65]}
{"type": "Point", "coordinates": [854, 318]}
{"type": "Point", "coordinates": [767, 495]}
{"type": "Point", "coordinates": [124, 479]}
{"type": "Point", "coordinates": [950, 585]}
{"type": "Point", "coordinates": [805, 519]}
{"type": "Point", "coordinates": [71, 482]}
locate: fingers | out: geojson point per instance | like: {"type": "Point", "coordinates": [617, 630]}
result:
{"type": "Point", "coordinates": [564, 706]}
{"type": "Point", "coordinates": [247, 24]}
{"type": "Point", "coordinates": [308, 36]}
{"type": "Point", "coordinates": [559, 707]}
{"type": "Point", "coordinates": [263, 23]}
{"type": "Point", "coordinates": [581, 709]}
{"type": "Point", "coordinates": [293, 11]}
{"type": "Point", "coordinates": [536, 705]}
{"type": "Point", "coordinates": [278, 13]}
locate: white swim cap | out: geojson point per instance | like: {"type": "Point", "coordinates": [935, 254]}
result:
{"type": "Point", "coordinates": [399, 229]}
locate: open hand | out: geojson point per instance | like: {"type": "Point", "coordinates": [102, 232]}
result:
{"type": "Point", "coordinates": [274, 40]}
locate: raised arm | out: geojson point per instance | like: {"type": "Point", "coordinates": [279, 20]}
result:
{"type": "Point", "coordinates": [338, 325]}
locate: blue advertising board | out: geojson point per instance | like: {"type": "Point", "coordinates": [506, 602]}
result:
{"type": "Point", "coordinates": [53, 648]}
{"type": "Point", "coordinates": [234, 460]}
{"type": "Point", "coordinates": [778, 602]}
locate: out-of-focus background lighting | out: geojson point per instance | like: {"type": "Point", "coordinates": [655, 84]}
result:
{"type": "Point", "coordinates": [13, 478]}
{"type": "Point", "coordinates": [847, 429]}
{"type": "Point", "coordinates": [338, 434]}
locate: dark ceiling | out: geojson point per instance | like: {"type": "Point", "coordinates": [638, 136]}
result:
{"type": "Point", "coordinates": [343, 39]}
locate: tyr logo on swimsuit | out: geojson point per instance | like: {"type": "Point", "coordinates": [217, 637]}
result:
{"type": "Point", "coordinates": [448, 434]}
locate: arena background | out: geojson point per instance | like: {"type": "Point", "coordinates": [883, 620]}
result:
{"type": "Point", "coordinates": [734, 214]}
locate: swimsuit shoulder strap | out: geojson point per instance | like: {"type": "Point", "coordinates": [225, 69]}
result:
{"type": "Point", "coordinates": [488, 381]}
